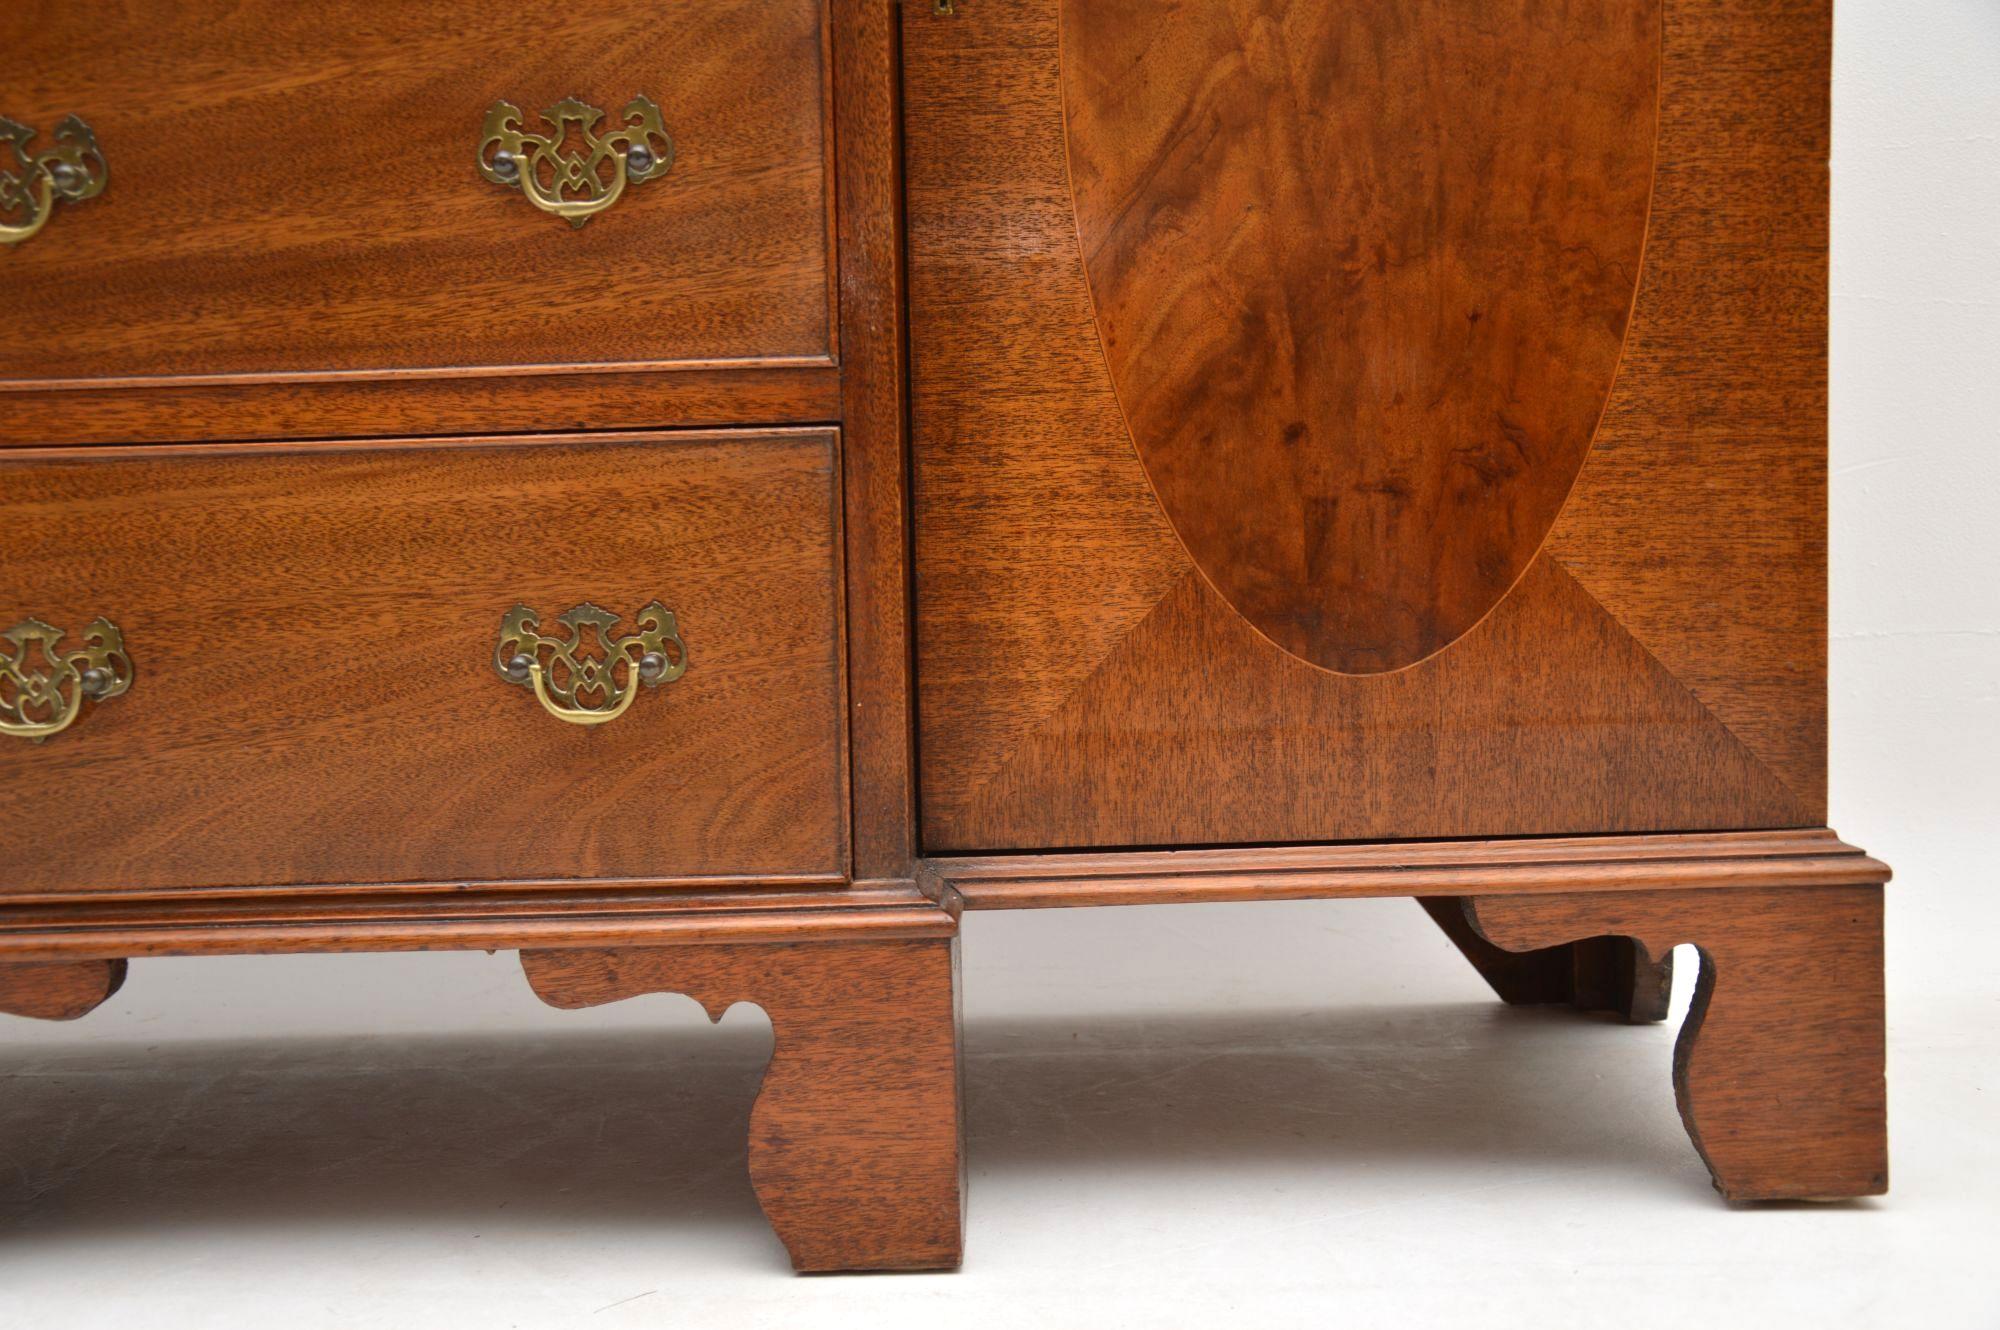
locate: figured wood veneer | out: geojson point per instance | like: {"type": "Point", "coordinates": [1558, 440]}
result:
{"type": "Point", "coordinates": [1362, 275]}
{"type": "Point", "coordinates": [1660, 665]}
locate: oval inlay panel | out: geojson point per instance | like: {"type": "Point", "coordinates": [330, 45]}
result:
{"type": "Point", "coordinates": [1362, 270]}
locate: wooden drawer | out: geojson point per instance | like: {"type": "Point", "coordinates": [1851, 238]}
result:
{"type": "Point", "coordinates": [315, 699]}
{"type": "Point", "coordinates": [294, 219]}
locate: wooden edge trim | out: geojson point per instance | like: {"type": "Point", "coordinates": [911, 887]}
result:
{"type": "Point", "coordinates": [621, 436]}
{"type": "Point", "coordinates": [879, 912]}
{"type": "Point", "coordinates": [1805, 858]}
{"type": "Point", "coordinates": [867, 118]}
{"type": "Point", "coordinates": [525, 370]}
{"type": "Point", "coordinates": [468, 894]}
{"type": "Point", "coordinates": [613, 398]}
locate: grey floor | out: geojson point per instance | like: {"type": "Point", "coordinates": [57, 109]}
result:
{"type": "Point", "coordinates": [1222, 1115]}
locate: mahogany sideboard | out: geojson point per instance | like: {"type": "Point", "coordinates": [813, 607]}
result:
{"type": "Point", "coordinates": [706, 495]}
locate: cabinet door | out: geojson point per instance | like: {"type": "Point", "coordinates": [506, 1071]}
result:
{"type": "Point", "coordinates": [1348, 421]}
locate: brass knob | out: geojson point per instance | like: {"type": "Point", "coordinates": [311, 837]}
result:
{"type": "Point", "coordinates": [71, 171]}
{"type": "Point", "coordinates": [575, 183]}
{"type": "Point", "coordinates": [592, 672]}
{"type": "Point", "coordinates": [42, 688]}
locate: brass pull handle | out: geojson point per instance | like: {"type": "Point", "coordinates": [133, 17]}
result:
{"type": "Point", "coordinates": [651, 656]}
{"type": "Point", "coordinates": [70, 172]}
{"type": "Point", "coordinates": [41, 698]}
{"type": "Point", "coordinates": [578, 183]}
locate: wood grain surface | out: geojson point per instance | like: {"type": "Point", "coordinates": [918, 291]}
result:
{"type": "Point", "coordinates": [315, 701]}
{"type": "Point", "coordinates": [1362, 275]}
{"type": "Point", "coordinates": [442, 916]}
{"type": "Point", "coordinates": [58, 990]}
{"type": "Point", "coordinates": [241, 408]}
{"type": "Point", "coordinates": [1570, 864]}
{"type": "Point", "coordinates": [875, 474]}
{"type": "Point", "coordinates": [292, 191]}
{"type": "Point", "coordinates": [856, 1143]}
{"type": "Point", "coordinates": [1779, 1068]}
{"type": "Point", "coordinates": [1660, 667]}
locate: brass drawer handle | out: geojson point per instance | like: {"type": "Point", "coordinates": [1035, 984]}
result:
{"type": "Point", "coordinates": [70, 172]}
{"type": "Point", "coordinates": [651, 656]}
{"type": "Point", "coordinates": [40, 698]}
{"type": "Point", "coordinates": [576, 184]}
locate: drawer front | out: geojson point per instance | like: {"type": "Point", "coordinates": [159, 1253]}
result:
{"type": "Point", "coordinates": [314, 693]}
{"type": "Point", "coordinates": [295, 189]}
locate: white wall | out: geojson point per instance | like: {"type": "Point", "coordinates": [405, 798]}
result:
{"type": "Point", "coordinates": [1916, 444]}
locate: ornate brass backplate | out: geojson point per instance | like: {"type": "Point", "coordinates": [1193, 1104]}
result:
{"type": "Point", "coordinates": [566, 672]}
{"type": "Point", "coordinates": [575, 182]}
{"type": "Point", "coordinates": [70, 171]}
{"type": "Point", "coordinates": [42, 687]}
